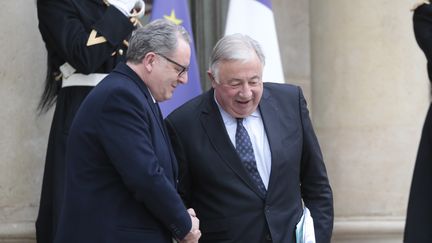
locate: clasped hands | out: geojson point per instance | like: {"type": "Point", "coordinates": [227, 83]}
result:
{"type": "Point", "coordinates": [194, 234]}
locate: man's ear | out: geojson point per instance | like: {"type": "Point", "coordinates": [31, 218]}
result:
{"type": "Point", "coordinates": [212, 78]}
{"type": "Point", "coordinates": [149, 61]}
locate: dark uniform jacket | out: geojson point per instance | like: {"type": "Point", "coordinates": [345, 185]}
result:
{"type": "Point", "coordinates": [87, 34]}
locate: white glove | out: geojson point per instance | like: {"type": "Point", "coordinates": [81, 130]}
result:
{"type": "Point", "coordinates": [139, 9]}
{"type": "Point", "coordinates": [125, 6]}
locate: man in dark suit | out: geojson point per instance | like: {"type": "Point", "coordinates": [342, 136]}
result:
{"type": "Point", "coordinates": [121, 170]}
{"type": "Point", "coordinates": [249, 186]}
{"type": "Point", "coordinates": [419, 212]}
{"type": "Point", "coordinates": [84, 39]}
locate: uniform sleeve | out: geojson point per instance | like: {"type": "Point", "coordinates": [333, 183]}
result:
{"type": "Point", "coordinates": [315, 187]}
{"type": "Point", "coordinates": [83, 33]}
{"type": "Point", "coordinates": [125, 133]}
{"type": "Point", "coordinates": [185, 185]}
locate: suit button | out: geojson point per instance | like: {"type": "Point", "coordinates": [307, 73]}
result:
{"type": "Point", "coordinates": [267, 209]}
{"type": "Point", "coordinates": [268, 237]}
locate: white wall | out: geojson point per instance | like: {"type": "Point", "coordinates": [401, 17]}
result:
{"type": "Point", "coordinates": [370, 97]}
{"type": "Point", "coordinates": [23, 135]}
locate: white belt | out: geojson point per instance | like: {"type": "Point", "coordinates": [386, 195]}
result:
{"type": "Point", "coordinates": [78, 79]}
{"type": "Point", "coordinates": [70, 78]}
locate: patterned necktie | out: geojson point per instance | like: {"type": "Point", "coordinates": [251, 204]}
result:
{"type": "Point", "coordinates": [245, 151]}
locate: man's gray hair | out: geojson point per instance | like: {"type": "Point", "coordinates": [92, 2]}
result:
{"type": "Point", "coordinates": [159, 36]}
{"type": "Point", "coordinates": [235, 47]}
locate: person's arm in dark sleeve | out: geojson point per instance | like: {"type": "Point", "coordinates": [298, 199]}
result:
{"type": "Point", "coordinates": [184, 186]}
{"type": "Point", "coordinates": [84, 33]}
{"type": "Point", "coordinates": [316, 191]}
{"type": "Point", "coordinates": [126, 136]}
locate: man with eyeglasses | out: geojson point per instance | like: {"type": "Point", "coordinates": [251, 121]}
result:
{"type": "Point", "coordinates": [121, 170]}
{"type": "Point", "coordinates": [84, 40]}
{"type": "Point", "coordinates": [180, 68]}
{"type": "Point", "coordinates": [248, 155]}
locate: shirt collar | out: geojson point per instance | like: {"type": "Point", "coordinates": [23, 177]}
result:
{"type": "Point", "coordinates": [151, 95]}
{"type": "Point", "coordinates": [228, 119]}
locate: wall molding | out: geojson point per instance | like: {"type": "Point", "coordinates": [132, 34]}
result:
{"type": "Point", "coordinates": [344, 228]}
{"type": "Point", "coordinates": [17, 231]}
{"type": "Point", "coordinates": [368, 228]}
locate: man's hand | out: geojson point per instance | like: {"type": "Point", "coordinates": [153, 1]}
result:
{"type": "Point", "coordinates": [195, 223]}
{"type": "Point", "coordinates": [194, 234]}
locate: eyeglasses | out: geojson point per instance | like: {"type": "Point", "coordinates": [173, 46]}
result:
{"type": "Point", "coordinates": [183, 68]}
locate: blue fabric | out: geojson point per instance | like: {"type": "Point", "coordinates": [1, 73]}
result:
{"type": "Point", "coordinates": [267, 3]}
{"type": "Point", "coordinates": [245, 151]}
{"type": "Point", "coordinates": [178, 11]}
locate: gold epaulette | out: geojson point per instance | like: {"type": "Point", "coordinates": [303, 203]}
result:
{"type": "Point", "coordinates": [416, 5]}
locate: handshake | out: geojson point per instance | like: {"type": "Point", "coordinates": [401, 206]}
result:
{"type": "Point", "coordinates": [194, 234]}
{"type": "Point", "coordinates": [130, 8]}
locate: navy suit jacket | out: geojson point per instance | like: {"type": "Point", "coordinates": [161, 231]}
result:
{"type": "Point", "coordinates": [121, 171]}
{"type": "Point", "coordinates": [215, 183]}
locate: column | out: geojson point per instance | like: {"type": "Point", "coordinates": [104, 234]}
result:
{"type": "Point", "coordinates": [370, 97]}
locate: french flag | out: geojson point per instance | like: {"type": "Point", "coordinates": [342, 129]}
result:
{"type": "Point", "coordinates": [255, 19]}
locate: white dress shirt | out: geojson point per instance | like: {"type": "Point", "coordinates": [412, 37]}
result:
{"type": "Point", "coordinates": [255, 128]}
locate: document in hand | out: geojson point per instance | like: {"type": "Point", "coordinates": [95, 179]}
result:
{"type": "Point", "coordinates": [305, 232]}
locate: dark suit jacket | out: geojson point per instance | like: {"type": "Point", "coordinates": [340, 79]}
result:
{"type": "Point", "coordinates": [121, 171]}
{"type": "Point", "coordinates": [215, 183]}
{"type": "Point", "coordinates": [65, 26]}
{"type": "Point", "coordinates": [419, 212]}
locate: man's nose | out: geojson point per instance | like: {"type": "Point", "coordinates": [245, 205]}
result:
{"type": "Point", "coordinates": [245, 90]}
{"type": "Point", "coordinates": [183, 79]}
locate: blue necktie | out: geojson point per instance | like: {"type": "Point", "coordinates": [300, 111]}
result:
{"type": "Point", "coordinates": [245, 151]}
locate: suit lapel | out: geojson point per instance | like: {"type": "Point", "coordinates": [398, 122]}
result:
{"type": "Point", "coordinates": [273, 127]}
{"type": "Point", "coordinates": [124, 69]}
{"type": "Point", "coordinates": [157, 113]}
{"type": "Point", "coordinates": [215, 129]}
